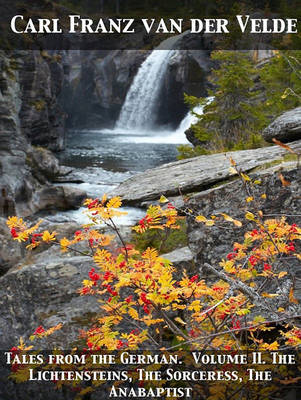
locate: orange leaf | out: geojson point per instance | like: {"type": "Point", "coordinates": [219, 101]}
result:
{"type": "Point", "coordinates": [283, 180]}
{"type": "Point", "coordinates": [292, 299]}
{"type": "Point", "coordinates": [284, 146]}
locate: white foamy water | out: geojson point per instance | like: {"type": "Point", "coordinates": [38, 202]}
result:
{"type": "Point", "coordinates": [165, 136]}
{"type": "Point", "coordinates": [140, 107]}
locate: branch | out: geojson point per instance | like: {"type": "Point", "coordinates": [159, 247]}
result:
{"type": "Point", "coordinates": [235, 330]}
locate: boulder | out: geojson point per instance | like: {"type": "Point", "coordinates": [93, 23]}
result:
{"type": "Point", "coordinates": [59, 198]}
{"type": "Point", "coordinates": [194, 174]}
{"type": "Point", "coordinates": [285, 128]}
{"type": "Point", "coordinates": [45, 294]}
{"type": "Point", "coordinates": [181, 258]}
{"type": "Point", "coordinates": [44, 164]}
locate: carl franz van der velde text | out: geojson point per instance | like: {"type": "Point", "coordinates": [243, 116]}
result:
{"type": "Point", "coordinates": [76, 24]}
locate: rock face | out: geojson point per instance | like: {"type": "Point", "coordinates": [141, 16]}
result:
{"type": "Point", "coordinates": [16, 181]}
{"type": "Point", "coordinates": [98, 84]}
{"type": "Point", "coordinates": [10, 251]}
{"type": "Point", "coordinates": [45, 294]}
{"type": "Point", "coordinates": [30, 83]}
{"type": "Point", "coordinates": [285, 128]}
{"type": "Point", "coordinates": [42, 119]}
{"type": "Point", "coordinates": [100, 81]}
{"type": "Point", "coordinates": [187, 73]}
{"type": "Point", "coordinates": [212, 244]}
{"type": "Point", "coordinates": [193, 175]}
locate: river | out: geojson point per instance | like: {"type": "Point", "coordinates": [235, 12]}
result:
{"type": "Point", "coordinates": [100, 160]}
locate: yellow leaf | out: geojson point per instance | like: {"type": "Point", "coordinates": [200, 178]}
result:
{"type": "Point", "coordinates": [245, 177]}
{"type": "Point", "coordinates": [150, 254]}
{"type": "Point", "coordinates": [48, 237]}
{"type": "Point", "coordinates": [270, 295]}
{"type": "Point", "coordinates": [87, 283]}
{"type": "Point", "coordinates": [249, 199]}
{"type": "Point", "coordinates": [133, 313]}
{"type": "Point", "coordinates": [64, 244]}
{"type": "Point", "coordinates": [178, 319]}
{"type": "Point", "coordinates": [200, 218]}
{"type": "Point", "coordinates": [282, 274]}
{"type": "Point", "coordinates": [250, 216]}
{"type": "Point", "coordinates": [274, 346]}
{"type": "Point", "coordinates": [237, 223]}
{"type": "Point", "coordinates": [163, 199]}
{"type": "Point", "coordinates": [230, 219]}
{"type": "Point", "coordinates": [264, 196]}
{"type": "Point", "coordinates": [115, 202]}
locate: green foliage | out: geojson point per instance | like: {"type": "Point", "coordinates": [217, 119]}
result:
{"type": "Point", "coordinates": [187, 151]}
{"type": "Point", "coordinates": [151, 238]}
{"type": "Point", "coordinates": [240, 111]}
{"type": "Point", "coordinates": [281, 80]}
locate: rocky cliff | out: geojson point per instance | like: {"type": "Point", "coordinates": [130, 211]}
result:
{"type": "Point", "coordinates": [99, 82]}
{"type": "Point", "coordinates": [30, 83]}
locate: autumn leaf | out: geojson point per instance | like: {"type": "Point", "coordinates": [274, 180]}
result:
{"type": "Point", "coordinates": [163, 199]}
{"type": "Point", "coordinates": [200, 218]}
{"type": "Point", "coordinates": [250, 216]}
{"type": "Point", "coordinates": [115, 202]}
{"type": "Point", "coordinates": [292, 299]}
{"type": "Point", "coordinates": [48, 237]}
{"type": "Point", "coordinates": [283, 180]}
{"type": "Point", "coordinates": [180, 321]}
{"type": "Point", "coordinates": [245, 177]}
{"type": "Point", "coordinates": [284, 146]}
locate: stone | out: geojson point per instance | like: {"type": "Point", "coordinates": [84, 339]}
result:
{"type": "Point", "coordinates": [44, 164]}
{"type": "Point", "coordinates": [181, 258]}
{"type": "Point", "coordinates": [195, 174]}
{"type": "Point", "coordinates": [285, 128]}
{"type": "Point", "coordinates": [45, 294]}
{"type": "Point", "coordinates": [59, 198]}
{"type": "Point", "coordinates": [10, 250]}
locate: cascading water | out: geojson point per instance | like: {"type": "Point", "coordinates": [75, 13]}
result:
{"type": "Point", "coordinates": [177, 136]}
{"type": "Point", "coordinates": [140, 107]}
{"type": "Point", "coordinates": [141, 103]}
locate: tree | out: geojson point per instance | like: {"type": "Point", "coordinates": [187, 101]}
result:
{"type": "Point", "coordinates": [248, 94]}
{"type": "Point", "coordinates": [234, 118]}
{"type": "Point", "coordinates": [146, 303]}
{"type": "Point", "coordinates": [281, 78]}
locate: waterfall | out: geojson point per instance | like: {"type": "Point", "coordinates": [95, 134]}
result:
{"type": "Point", "coordinates": [140, 107]}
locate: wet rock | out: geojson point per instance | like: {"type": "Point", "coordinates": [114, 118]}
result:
{"type": "Point", "coordinates": [193, 175]}
{"type": "Point", "coordinates": [187, 72]}
{"type": "Point", "coordinates": [44, 164]}
{"type": "Point", "coordinates": [285, 128]}
{"type": "Point", "coordinates": [59, 198]}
